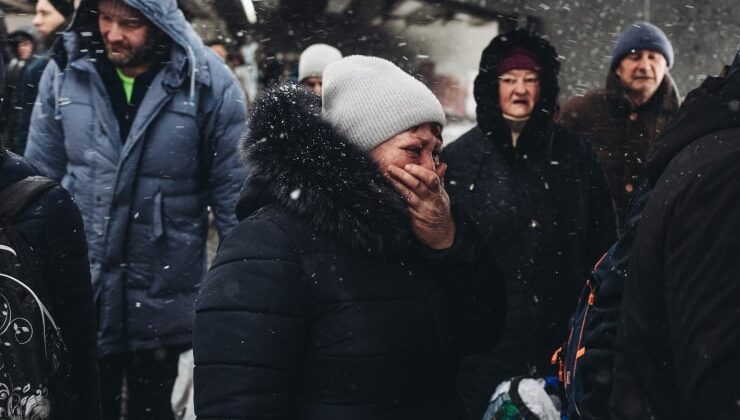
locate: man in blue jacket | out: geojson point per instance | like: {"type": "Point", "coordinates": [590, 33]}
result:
{"type": "Point", "coordinates": [139, 121]}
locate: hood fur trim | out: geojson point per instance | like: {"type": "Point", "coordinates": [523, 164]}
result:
{"type": "Point", "coordinates": [298, 160]}
{"type": "Point", "coordinates": [486, 90]}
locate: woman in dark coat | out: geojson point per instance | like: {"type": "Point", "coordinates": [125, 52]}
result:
{"type": "Point", "coordinates": [51, 229]}
{"type": "Point", "coordinates": [349, 288]}
{"type": "Point", "coordinates": [540, 199]}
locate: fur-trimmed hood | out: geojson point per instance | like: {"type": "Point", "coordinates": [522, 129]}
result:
{"type": "Point", "coordinates": [298, 161]}
{"type": "Point", "coordinates": [486, 90]}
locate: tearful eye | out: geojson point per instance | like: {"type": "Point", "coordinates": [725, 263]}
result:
{"type": "Point", "coordinates": [415, 151]}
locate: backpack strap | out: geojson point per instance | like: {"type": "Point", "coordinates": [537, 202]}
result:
{"type": "Point", "coordinates": [17, 196]}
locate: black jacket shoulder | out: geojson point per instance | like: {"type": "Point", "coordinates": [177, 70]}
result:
{"type": "Point", "coordinates": [52, 228]}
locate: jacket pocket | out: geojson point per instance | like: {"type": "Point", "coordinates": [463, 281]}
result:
{"type": "Point", "coordinates": [157, 218]}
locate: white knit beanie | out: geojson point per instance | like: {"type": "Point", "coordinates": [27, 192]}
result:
{"type": "Point", "coordinates": [369, 100]}
{"type": "Point", "coordinates": [314, 60]}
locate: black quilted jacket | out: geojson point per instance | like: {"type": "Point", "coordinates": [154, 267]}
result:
{"type": "Point", "coordinates": [319, 305]}
{"type": "Point", "coordinates": [52, 227]}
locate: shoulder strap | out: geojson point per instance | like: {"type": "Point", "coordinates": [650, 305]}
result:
{"type": "Point", "coordinates": [17, 196]}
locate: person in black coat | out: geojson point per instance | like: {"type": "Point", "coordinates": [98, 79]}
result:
{"type": "Point", "coordinates": [349, 289]}
{"type": "Point", "coordinates": [539, 198]}
{"type": "Point", "coordinates": [677, 352]}
{"type": "Point", "coordinates": [52, 228]}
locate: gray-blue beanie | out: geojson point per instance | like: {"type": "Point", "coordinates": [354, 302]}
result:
{"type": "Point", "coordinates": [641, 36]}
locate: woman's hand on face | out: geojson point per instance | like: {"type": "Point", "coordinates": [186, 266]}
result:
{"type": "Point", "coordinates": [428, 203]}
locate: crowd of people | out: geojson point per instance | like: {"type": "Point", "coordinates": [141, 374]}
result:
{"type": "Point", "coordinates": [365, 271]}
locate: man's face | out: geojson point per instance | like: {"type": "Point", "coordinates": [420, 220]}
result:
{"type": "Point", "coordinates": [126, 33]}
{"type": "Point", "coordinates": [313, 84]}
{"type": "Point", "coordinates": [47, 19]}
{"type": "Point", "coordinates": [642, 72]}
{"type": "Point", "coordinates": [518, 92]}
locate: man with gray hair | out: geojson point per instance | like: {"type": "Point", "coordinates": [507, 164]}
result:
{"type": "Point", "coordinates": [623, 120]}
{"type": "Point", "coordinates": [139, 121]}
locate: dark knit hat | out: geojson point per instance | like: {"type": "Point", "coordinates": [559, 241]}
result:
{"type": "Point", "coordinates": [521, 59]}
{"type": "Point", "coordinates": [641, 36]}
{"type": "Point", "coordinates": [65, 7]}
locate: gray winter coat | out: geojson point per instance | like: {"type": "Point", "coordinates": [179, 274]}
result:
{"type": "Point", "coordinates": [144, 200]}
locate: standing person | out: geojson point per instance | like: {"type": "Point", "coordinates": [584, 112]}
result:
{"type": "Point", "coordinates": [22, 46]}
{"type": "Point", "coordinates": [51, 238]}
{"type": "Point", "coordinates": [677, 346]}
{"type": "Point", "coordinates": [540, 199]}
{"type": "Point", "coordinates": [51, 17]}
{"type": "Point", "coordinates": [312, 63]}
{"type": "Point", "coordinates": [349, 287]}
{"type": "Point", "coordinates": [140, 123]}
{"type": "Point", "coordinates": [623, 120]}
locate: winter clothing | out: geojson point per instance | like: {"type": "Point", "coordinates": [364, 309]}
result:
{"type": "Point", "coordinates": [677, 345]}
{"type": "Point", "coordinates": [519, 59]}
{"type": "Point", "coordinates": [319, 304]}
{"type": "Point", "coordinates": [369, 100]}
{"type": "Point", "coordinates": [52, 228]}
{"type": "Point", "coordinates": [13, 79]}
{"type": "Point", "coordinates": [545, 210]}
{"type": "Point", "coordinates": [641, 36]}
{"type": "Point", "coordinates": [150, 377]}
{"type": "Point", "coordinates": [27, 93]}
{"type": "Point", "coordinates": [65, 7]}
{"type": "Point", "coordinates": [144, 199]}
{"type": "Point", "coordinates": [622, 135]}
{"type": "Point", "coordinates": [314, 60]}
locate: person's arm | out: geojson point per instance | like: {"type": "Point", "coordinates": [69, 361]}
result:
{"type": "Point", "coordinates": [45, 147]}
{"type": "Point", "coordinates": [474, 287]}
{"type": "Point", "coordinates": [67, 275]}
{"type": "Point", "coordinates": [460, 258]}
{"type": "Point", "coordinates": [28, 90]}
{"type": "Point", "coordinates": [226, 175]}
{"type": "Point", "coordinates": [251, 327]}
{"type": "Point", "coordinates": [602, 223]}
{"type": "Point", "coordinates": [702, 292]}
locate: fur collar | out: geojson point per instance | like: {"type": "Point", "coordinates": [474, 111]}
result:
{"type": "Point", "coordinates": [300, 162]}
{"type": "Point", "coordinates": [664, 101]}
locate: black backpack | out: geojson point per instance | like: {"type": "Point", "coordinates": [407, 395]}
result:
{"type": "Point", "coordinates": [586, 360]}
{"type": "Point", "coordinates": [33, 357]}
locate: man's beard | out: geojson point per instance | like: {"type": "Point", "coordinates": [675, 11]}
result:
{"type": "Point", "coordinates": [126, 57]}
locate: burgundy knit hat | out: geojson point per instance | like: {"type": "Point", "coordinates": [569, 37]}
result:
{"type": "Point", "coordinates": [520, 59]}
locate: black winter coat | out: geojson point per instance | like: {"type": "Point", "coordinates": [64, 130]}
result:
{"type": "Point", "coordinates": [318, 304]}
{"type": "Point", "coordinates": [52, 227]}
{"type": "Point", "coordinates": [544, 209]}
{"type": "Point", "coordinates": [678, 344]}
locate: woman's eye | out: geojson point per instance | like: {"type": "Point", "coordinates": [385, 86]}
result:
{"type": "Point", "coordinates": [416, 151]}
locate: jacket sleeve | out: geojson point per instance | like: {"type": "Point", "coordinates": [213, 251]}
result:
{"type": "Point", "coordinates": [474, 288]}
{"type": "Point", "coordinates": [45, 148]}
{"type": "Point", "coordinates": [28, 90]}
{"type": "Point", "coordinates": [226, 175]}
{"type": "Point", "coordinates": [67, 272]}
{"type": "Point", "coordinates": [602, 225]}
{"type": "Point", "coordinates": [702, 291]}
{"type": "Point", "coordinates": [251, 327]}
